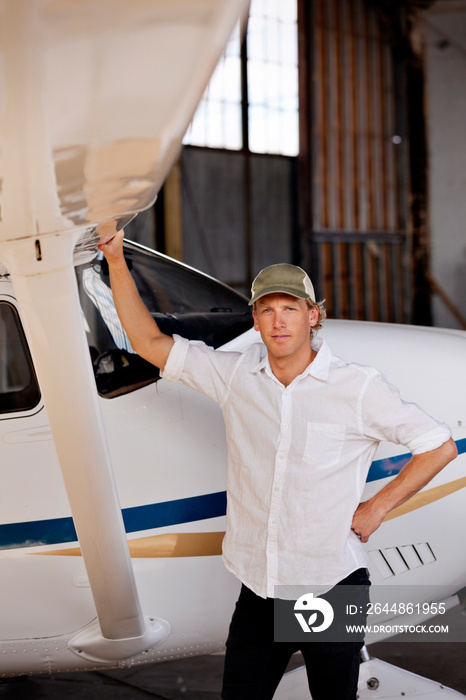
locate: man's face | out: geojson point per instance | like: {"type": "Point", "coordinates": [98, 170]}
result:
{"type": "Point", "coordinates": [284, 323]}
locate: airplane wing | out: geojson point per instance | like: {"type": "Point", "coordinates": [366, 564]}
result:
{"type": "Point", "coordinates": [95, 100]}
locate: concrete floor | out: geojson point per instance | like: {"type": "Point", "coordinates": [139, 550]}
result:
{"type": "Point", "coordinates": [199, 678]}
{"type": "Point", "coordinates": [194, 679]}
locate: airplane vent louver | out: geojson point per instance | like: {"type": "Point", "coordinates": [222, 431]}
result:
{"type": "Point", "coordinates": [392, 561]}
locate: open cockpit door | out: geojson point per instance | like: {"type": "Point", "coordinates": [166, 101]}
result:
{"type": "Point", "coordinates": [182, 300]}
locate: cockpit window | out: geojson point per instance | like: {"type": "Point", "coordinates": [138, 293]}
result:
{"type": "Point", "coordinates": [180, 299]}
{"type": "Point", "coordinates": [19, 390]}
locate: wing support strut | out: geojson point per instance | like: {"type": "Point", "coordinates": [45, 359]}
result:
{"type": "Point", "coordinates": [77, 154]}
{"type": "Point", "coordinates": [47, 295]}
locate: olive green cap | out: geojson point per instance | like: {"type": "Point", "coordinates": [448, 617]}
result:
{"type": "Point", "coordinates": [282, 278]}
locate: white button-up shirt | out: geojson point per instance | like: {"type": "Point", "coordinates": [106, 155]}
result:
{"type": "Point", "coordinates": [298, 457]}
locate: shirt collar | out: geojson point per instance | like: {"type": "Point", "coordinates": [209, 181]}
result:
{"type": "Point", "coordinates": [319, 368]}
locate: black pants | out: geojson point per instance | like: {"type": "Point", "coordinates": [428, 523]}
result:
{"type": "Point", "coordinates": [255, 664]}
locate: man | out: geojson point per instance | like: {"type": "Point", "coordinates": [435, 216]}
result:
{"type": "Point", "coordinates": [302, 429]}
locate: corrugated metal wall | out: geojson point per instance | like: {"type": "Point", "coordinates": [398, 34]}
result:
{"type": "Point", "coordinates": [356, 226]}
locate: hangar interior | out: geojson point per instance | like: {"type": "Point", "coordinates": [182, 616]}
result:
{"type": "Point", "coordinates": [332, 135]}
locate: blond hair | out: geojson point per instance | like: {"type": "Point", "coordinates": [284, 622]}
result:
{"type": "Point", "coordinates": [322, 314]}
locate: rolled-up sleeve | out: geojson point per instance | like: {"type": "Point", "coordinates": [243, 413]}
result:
{"type": "Point", "coordinates": [386, 416]}
{"type": "Point", "coordinates": [430, 440]}
{"type": "Point", "coordinates": [176, 359]}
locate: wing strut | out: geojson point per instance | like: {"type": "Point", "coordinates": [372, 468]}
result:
{"type": "Point", "coordinates": [95, 101]}
{"type": "Point", "coordinates": [43, 276]}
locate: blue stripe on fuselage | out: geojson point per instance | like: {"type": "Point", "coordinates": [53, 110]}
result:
{"type": "Point", "coordinates": [61, 530]}
{"type": "Point", "coordinates": [391, 466]}
{"type": "Point", "coordinates": [149, 517]}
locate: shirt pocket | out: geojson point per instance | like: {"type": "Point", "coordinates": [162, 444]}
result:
{"type": "Point", "coordinates": [324, 444]}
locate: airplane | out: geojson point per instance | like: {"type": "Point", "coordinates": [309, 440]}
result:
{"type": "Point", "coordinates": [113, 480]}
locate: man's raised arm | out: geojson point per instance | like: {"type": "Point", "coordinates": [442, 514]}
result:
{"type": "Point", "coordinates": [145, 336]}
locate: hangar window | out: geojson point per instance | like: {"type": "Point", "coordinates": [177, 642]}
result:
{"type": "Point", "coordinates": [217, 121]}
{"type": "Point", "coordinates": [251, 101]}
{"type": "Point", "coordinates": [19, 390]}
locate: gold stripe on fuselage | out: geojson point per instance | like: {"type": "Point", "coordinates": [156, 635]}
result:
{"type": "Point", "coordinates": [173, 544]}
{"type": "Point", "coordinates": [424, 498]}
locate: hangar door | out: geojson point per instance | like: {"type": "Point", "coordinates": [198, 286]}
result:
{"type": "Point", "coordinates": [354, 163]}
